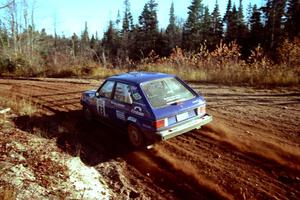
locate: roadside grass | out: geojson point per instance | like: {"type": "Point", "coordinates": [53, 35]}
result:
{"type": "Point", "coordinates": [224, 65]}
{"type": "Point", "coordinates": [21, 106]}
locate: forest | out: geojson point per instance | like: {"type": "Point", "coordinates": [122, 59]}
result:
{"type": "Point", "coordinates": [252, 45]}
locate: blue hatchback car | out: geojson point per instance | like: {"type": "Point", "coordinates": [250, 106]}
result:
{"type": "Point", "coordinates": [150, 106]}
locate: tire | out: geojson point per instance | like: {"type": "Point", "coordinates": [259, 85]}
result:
{"type": "Point", "coordinates": [87, 113]}
{"type": "Point", "coordinates": [135, 136]}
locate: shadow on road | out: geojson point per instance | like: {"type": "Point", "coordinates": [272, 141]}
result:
{"type": "Point", "coordinates": [92, 141]}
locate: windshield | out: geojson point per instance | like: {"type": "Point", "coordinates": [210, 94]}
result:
{"type": "Point", "coordinates": [165, 92]}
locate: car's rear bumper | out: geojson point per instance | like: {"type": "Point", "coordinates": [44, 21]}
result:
{"type": "Point", "coordinates": [194, 123]}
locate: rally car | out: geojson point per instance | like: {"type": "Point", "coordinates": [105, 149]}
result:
{"type": "Point", "coordinates": [149, 106]}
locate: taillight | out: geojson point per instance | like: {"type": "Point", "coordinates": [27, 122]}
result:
{"type": "Point", "coordinates": [201, 110]}
{"type": "Point", "coordinates": [160, 123]}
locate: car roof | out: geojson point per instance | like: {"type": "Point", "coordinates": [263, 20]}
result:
{"type": "Point", "coordinates": [139, 77]}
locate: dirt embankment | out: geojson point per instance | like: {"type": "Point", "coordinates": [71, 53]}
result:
{"type": "Point", "coordinates": [250, 151]}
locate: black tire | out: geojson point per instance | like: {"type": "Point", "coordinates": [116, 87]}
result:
{"type": "Point", "coordinates": [87, 113]}
{"type": "Point", "coordinates": [135, 136]}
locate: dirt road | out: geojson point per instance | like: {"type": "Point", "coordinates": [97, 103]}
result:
{"type": "Point", "coordinates": [251, 150]}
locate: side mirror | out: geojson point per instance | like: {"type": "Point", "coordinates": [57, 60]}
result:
{"type": "Point", "coordinates": [97, 94]}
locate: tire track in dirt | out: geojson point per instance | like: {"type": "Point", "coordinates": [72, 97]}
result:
{"type": "Point", "coordinates": [166, 172]}
{"type": "Point", "coordinates": [216, 162]}
{"type": "Point", "coordinates": [287, 157]}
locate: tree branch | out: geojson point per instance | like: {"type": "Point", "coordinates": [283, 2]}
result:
{"type": "Point", "coordinates": [6, 5]}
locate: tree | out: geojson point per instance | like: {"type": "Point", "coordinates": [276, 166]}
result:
{"type": "Point", "coordinates": [85, 40]}
{"type": "Point", "coordinates": [292, 24]}
{"type": "Point", "coordinates": [243, 32]}
{"type": "Point", "coordinates": [191, 29]}
{"type": "Point", "coordinates": [111, 42]}
{"type": "Point", "coordinates": [205, 27]}
{"type": "Point", "coordinates": [217, 25]}
{"type": "Point", "coordinates": [127, 40]}
{"type": "Point", "coordinates": [256, 27]}
{"type": "Point", "coordinates": [227, 14]}
{"type": "Point", "coordinates": [148, 29]}
{"type": "Point", "coordinates": [232, 21]}
{"type": "Point", "coordinates": [248, 15]}
{"type": "Point", "coordinates": [75, 45]}
{"type": "Point", "coordinates": [274, 12]}
{"type": "Point", "coordinates": [173, 32]}
{"type": "Point", "coordinates": [127, 19]}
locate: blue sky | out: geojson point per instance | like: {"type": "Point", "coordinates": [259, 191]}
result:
{"type": "Point", "coordinates": [69, 16]}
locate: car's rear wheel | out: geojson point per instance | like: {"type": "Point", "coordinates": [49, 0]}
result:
{"type": "Point", "coordinates": [135, 136]}
{"type": "Point", "coordinates": [87, 113]}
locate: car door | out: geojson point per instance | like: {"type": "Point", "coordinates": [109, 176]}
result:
{"type": "Point", "coordinates": [103, 101]}
{"type": "Point", "coordinates": [122, 103]}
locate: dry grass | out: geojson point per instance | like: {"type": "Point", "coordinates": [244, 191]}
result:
{"type": "Point", "coordinates": [7, 191]}
{"type": "Point", "coordinates": [20, 106]}
{"type": "Point", "coordinates": [224, 65]}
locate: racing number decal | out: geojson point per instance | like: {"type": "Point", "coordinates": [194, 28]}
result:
{"type": "Point", "coordinates": [101, 107]}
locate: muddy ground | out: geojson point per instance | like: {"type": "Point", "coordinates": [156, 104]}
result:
{"type": "Point", "coordinates": [251, 150]}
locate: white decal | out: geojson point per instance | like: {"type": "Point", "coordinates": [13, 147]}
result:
{"type": "Point", "coordinates": [120, 115]}
{"type": "Point", "coordinates": [101, 107]}
{"type": "Point", "coordinates": [137, 96]}
{"type": "Point", "coordinates": [118, 104]}
{"type": "Point", "coordinates": [138, 111]}
{"type": "Point", "coordinates": [131, 119]}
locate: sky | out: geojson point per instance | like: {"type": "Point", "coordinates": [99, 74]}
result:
{"type": "Point", "coordinates": [69, 16]}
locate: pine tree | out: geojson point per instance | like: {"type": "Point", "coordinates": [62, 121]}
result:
{"type": "Point", "coordinates": [127, 41]}
{"type": "Point", "coordinates": [85, 40]}
{"type": "Point", "coordinates": [292, 24]}
{"type": "Point", "coordinates": [243, 32]}
{"type": "Point", "coordinates": [191, 29]}
{"type": "Point", "coordinates": [111, 42]}
{"type": "Point", "coordinates": [227, 13]}
{"type": "Point", "coordinates": [205, 28]}
{"type": "Point", "coordinates": [232, 29]}
{"type": "Point", "coordinates": [274, 12]}
{"type": "Point", "coordinates": [127, 19]}
{"type": "Point", "coordinates": [146, 40]}
{"type": "Point", "coordinates": [93, 42]}
{"type": "Point", "coordinates": [217, 25]}
{"type": "Point", "coordinates": [241, 13]}
{"type": "Point", "coordinates": [118, 20]}
{"type": "Point", "coordinates": [75, 45]}
{"type": "Point", "coordinates": [248, 15]}
{"type": "Point", "coordinates": [256, 27]}
{"type": "Point", "coordinates": [173, 32]}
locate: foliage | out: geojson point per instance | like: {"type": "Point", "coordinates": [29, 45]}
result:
{"type": "Point", "coordinates": [203, 47]}
{"type": "Point", "coordinates": [191, 30]}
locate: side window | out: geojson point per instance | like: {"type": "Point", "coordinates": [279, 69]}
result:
{"type": "Point", "coordinates": [136, 96]}
{"type": "Point", "coordinates": [107, 89]}
{"type": "Point", "coordinates": [123, 93]}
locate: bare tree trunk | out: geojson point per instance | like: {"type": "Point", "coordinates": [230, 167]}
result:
{"type": "Point", "coordinates": [32, 38]}
{"type": "Point", "coordinates": [13, 24]}
{"type": "Point", "coordinates": [104, 59]}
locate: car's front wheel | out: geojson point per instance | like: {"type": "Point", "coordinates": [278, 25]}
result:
{"type": "Point", "coordinates": [135, 136]}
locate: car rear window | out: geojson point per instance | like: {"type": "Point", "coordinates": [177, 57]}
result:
{"type": "Point", "coordinates": [163, 92]}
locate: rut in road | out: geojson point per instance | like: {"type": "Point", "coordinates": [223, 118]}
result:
{"type": "Point", "coordinates": [220, 161]}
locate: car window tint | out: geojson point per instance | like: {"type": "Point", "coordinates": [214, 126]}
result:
{"type": "Point", "coordinates": [136, 95]}
{"type": "Point", "coordinates": [106, 89]}
{"type": "Point", "coordinates": [166, 91]}
{"type": "Point", "coordinates": [122, 93]}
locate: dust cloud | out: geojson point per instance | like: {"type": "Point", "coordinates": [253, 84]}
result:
{"type": "Point", "coordinates": [189, 171]}
{"type": "Point", "coordinates": [254, 146]}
